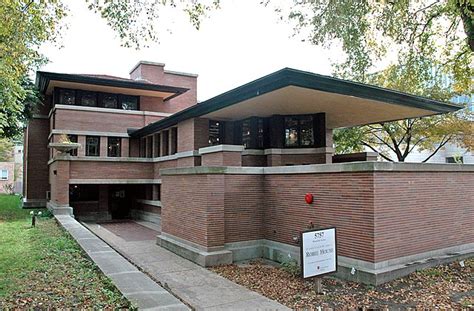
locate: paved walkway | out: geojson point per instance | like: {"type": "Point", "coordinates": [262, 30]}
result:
{"type": "Point", "coordinates": [134, 284]}
{"type": "Point", "coordinates": [197, 286]}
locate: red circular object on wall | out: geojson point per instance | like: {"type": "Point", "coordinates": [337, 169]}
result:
{"type": "Point", "coordinates": [308, 198]}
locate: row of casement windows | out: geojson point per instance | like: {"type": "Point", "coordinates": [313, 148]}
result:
{"type": "Point", "coordinates": [95, 99]}
{"type": "Point", "coordinates": [114, 146]}
{"type": "Point", "coordinates": [254, 132]}
{"type": "Point", "coordinates": [158, 145]}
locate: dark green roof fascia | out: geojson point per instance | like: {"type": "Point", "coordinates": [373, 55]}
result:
{"type": "Point", "coordinates": [43, 78]}
{"type": "Point", "coordinates": [366, 91]}
{"type": "Point", "coordinates": [292, 77]}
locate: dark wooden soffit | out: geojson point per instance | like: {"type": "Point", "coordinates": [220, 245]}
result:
{"type": "Point", "coordinates": [292, 77]}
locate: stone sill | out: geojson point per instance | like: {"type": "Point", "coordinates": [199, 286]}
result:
{"type": "Point", "coordinates": [150, 202]}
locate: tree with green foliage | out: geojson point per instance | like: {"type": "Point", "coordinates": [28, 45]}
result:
{"type": "Point", "coordinates": [26, 24]}
{"type": "Point", "coordinates": [407, 33]}
{"type": "Point", "coordinates": [6, 150]}
{"type": "Point", "coordinates": [394, 141]}
{"type": "Point", "coordinates": [429, 47]}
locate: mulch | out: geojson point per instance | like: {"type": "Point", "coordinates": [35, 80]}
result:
{"type": "Point", "coordinates": [443, 287]}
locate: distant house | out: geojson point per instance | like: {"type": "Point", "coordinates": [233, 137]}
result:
{"type": "Point", "coordinates": [7, 175]}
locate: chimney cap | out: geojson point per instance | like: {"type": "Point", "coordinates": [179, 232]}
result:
{"type": "Point", "coordinates": [144, 62]}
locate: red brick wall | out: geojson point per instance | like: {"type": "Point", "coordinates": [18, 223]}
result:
{"type": "Point", "coordinates": [110, 170]}
{"type": "Point", "coordinates": [161, 165]}
{"type": "Point", "coordinates": [97, 121]}
{"type": "Point", "coordinates": [36, 155]}
{"type": "Point", "coordinates": [222, 159]}
{"type": "Point", "coordinates": [59, 180]}
{"type": "Point", "coordinates": [193, 134]}
{"type": "Point", "coordinates": [194, 208]}
{"type": "Point", "coordinates": [344, 200]}
{"type": "Point", "coordinates": [379, 215]}
{"type": "Point", "coordinates": [243, 201]}
{"type": "Point", "coordinates": [156, 74]}
{"type": "Point", "coordinates": [254, 160]}
{"type": "Point", "coordinates": [422, 211]}
{"type": "Point", "coordinates": [296, 159]}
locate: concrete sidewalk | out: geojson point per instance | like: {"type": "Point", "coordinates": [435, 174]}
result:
{"type": "Point", "coordinates": [134, 284]}
{"type": "Point", "coordinates": [197, 286]}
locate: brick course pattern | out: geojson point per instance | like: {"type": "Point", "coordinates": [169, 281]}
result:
{"type": "Point", "coordinates": [36, 155]}
{"type": "Point", "coordinates": [379, 215]}
{"type": "Point", "coordinates": [419, 212]}
{"type": "Point", "coordinates": [110, 170]}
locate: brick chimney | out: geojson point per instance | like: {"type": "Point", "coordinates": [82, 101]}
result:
{"type": "Point", "coordinates": [150, 71]}
{"type": "Point", "coordinates": [156, 73]}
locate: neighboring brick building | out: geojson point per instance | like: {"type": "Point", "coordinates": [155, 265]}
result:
{"type": "Point", "coordinates": [227, 177]}
{"type": "Point", "coordinates": [7, 176]}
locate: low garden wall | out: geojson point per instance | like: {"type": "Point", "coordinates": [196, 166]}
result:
{"type": "Point", "coordinates": [387, 215]}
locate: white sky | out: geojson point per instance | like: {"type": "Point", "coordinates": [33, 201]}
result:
{"type": "Point", "coordinates": [238, 43]}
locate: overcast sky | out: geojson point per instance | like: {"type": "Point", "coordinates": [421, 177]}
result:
{"type": "Point", "coordinates": [241, 42]}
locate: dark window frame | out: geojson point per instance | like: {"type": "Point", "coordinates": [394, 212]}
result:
{"type": "Point", "coordinates": [216, 130]}
{"type": "Point", "coordinates": [111, 145]}
{"type": "Point", "coordinates": [99, 98]}
{"type": "Point", "coordinates": [165, 142]}
{"type": "Point", "coordinates": [57, 96]}
{"type": "Point", "coordinates": [174, 140]}
{"type": "Point", "coordinates": [142, 147]}
{"type": "Point", "coordinates": [74, 139]}
{"type": "Point", "coordinates": [97, 147]}
{"type": "Point", "coordinates": [258, 137]}
{"type": "Point", "coordinates": [157, 145]}
{"type": "Point", "coordinates": [121, 99]}
{"type": "Point", "coordinates": [82, 93]}
{"type": "Point", "coordinates": [298, 117]}
{"type": "Point", "coordinates": [149, 147]}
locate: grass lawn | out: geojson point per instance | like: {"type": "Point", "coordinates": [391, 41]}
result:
{"type": "Point", "coordinates": [44, 267]}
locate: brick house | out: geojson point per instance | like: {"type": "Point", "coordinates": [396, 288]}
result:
{"type": "Point", "coordinates": [7, 175]}
{"type": "Point", "coordinates": [226, 177]}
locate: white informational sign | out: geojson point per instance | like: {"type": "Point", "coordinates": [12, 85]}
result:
{"type": "Point", "coordinates": [318, 252]}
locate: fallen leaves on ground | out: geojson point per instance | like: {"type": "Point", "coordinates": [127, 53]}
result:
{"type": "Point", "coordinates": [443, 287]}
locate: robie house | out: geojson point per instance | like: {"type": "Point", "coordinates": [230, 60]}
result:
{"type": "Point", "coordinates": [227, 177]}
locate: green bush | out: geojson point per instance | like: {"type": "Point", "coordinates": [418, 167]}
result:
{"type": "Point", "coordinates": [291, 266]}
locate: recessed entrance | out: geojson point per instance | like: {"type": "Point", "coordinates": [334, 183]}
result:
{"type": "Point", "coordinates": [119, 201]}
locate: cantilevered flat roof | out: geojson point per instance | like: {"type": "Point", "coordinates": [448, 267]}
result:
{"type": "Point", "coordinates": [46, 81]}
{"type": "Point", "coordinates": [290, 91]}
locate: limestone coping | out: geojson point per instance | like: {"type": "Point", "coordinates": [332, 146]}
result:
{"type": "Point", "coordinates": [293, 151]}
{"type": "Point", "coordinates": [221, 148]}
{"type": "Point", "coordinates": [322, 168]}
{"type": "Point", "coordinates": [176, 156]}
{"type": "Point", "coordinates": [100, 181]}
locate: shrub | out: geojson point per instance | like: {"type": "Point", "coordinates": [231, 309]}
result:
{"type": "Point", "coordinates": [291, 266]}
